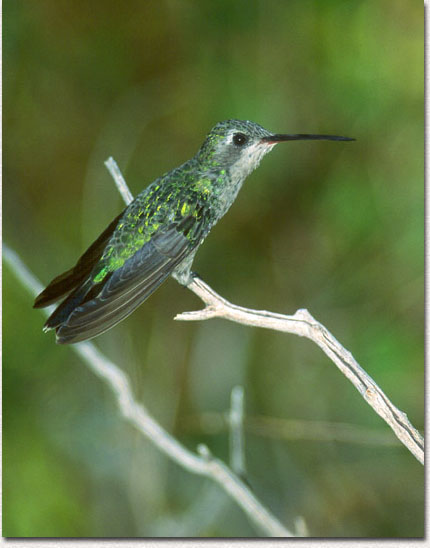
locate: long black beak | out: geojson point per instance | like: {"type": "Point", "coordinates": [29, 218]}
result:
{"type": "Point", "coordinates": [279, 137]}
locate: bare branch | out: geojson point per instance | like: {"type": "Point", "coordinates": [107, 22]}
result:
{"type": "Point", "coordinates": [212, 423]}
{"type": "Point", "coordinates": [301, 527]}
{"type": "Point", "coordinates": [121, 185]}
{"type": "Point", "coordinates": [136, 414]}
{"type": "Point", "coordinates": [237, 438]}
{"type": "Point", "coordinates": [304, 325]}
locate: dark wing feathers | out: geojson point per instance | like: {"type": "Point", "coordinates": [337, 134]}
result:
{"type": "Point", "coordinates": [71, 279]}
{"type": "Point", "coordinates": [63, 311]}
{"type": "Point", "coordinates": [92, 319]}
{"type": "Point", "coordinates": [131, 284]}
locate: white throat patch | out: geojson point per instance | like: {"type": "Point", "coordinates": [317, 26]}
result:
{"type": "Point", "coordinates": [250, 159]}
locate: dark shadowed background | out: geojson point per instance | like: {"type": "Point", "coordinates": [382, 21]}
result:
{"type": "Point", "coordinates": [333, 227]}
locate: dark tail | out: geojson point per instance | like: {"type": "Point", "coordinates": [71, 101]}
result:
{"type": "Point", "coordinates": [63, 311]}
{"type": "Point", "coordinates": [73, 278]}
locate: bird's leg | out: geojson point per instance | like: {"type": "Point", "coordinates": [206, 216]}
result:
{"type": "Point", "coordinates": [182, 272]}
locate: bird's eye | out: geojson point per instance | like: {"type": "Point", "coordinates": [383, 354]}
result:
{"type": "Point", "coordinates": [240, 139]}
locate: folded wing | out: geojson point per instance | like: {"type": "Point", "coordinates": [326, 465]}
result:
{"type": "Point", "coordinates": [126, 288]}
{"type": "Point", "coordinates": [92, 308]}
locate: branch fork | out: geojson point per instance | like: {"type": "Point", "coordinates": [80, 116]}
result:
{"type": "Point", "coordinates": [204, 463]}
{"type": "Point", "coordinates": [303, 324]}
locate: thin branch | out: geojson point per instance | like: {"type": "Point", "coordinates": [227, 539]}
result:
{"type": "Point", "coordinates": [201, 515]}
{"type": "Point", "coordinates": [136, 414]}
{"type": "Point", "coordinates": [300, 527]}
{"type": "Point", "coordinates": [121, 185]}
{"type": "Point", "coordinates": [212, 423]}
{"type": "Point", "coordinates": [237, 438]}
{"type": "Point", "coordinates": [304, 325]}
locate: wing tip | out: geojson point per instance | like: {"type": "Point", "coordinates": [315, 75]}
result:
{"type": "Point", "coordinates": [63, 340]}
{"type": "Point", "coordinates": [62, 336]}
{"type": "Point", "coordinates": [39, 301]}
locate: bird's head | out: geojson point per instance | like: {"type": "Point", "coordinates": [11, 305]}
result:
{"type": "Point", "coordinates": [239, 146]}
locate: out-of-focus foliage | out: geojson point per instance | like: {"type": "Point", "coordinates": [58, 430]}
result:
{"type": "Point", "coordinates": [333, 227]}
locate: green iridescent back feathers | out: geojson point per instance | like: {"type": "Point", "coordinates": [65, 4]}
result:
{"type": "Point", "coordinates": [158, 206]}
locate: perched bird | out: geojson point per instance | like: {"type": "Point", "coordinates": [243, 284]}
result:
{"type": "Point", "coordinates": [158, 233]}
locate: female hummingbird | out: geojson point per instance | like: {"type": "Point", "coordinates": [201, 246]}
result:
{"type": "Point", "coordinates": [158, 233]}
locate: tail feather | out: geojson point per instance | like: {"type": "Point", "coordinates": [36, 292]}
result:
{"type": "Point", "coordinates": [59, 286]}
{"type": "Point", "coordinates": [92, 308]}
{"type": "Point", "coordinates": [63, 311]}
{"type": "Point", "coordinates": [73, 278]}
{"type": "Point", "coordinates": [68, 332]}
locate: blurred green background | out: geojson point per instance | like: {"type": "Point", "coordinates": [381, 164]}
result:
{"type": "Point", "coordinates": [333, 227]}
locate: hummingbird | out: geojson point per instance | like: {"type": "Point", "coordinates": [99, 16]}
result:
{"type": "Point", "coordinates": [158, 234]}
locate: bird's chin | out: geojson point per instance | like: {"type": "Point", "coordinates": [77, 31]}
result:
{"type": "Point", "coordinates": [250, 160]}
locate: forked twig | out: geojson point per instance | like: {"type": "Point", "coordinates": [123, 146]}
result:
{"type": "Point", "coordinates": [304, 325]}
{"type": "Point", "coordinates": [301, 323]}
